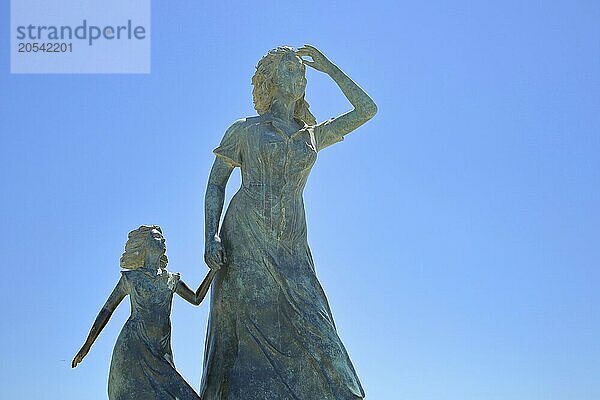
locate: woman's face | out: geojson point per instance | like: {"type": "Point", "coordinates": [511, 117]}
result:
{"type": "Point", "coordinates": [156, 242]}
{"type": "Point", "coordinates": [291, 78]}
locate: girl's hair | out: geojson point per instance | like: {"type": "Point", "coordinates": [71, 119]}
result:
{"type": "Point", "coordinates": [264, 85]}
{"type": "Point", "coordinates": [135, 248]}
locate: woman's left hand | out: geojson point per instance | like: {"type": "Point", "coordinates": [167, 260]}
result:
{"type": "Point", "coordinates": [319, 61]}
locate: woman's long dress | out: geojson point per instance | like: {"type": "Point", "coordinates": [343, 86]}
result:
{"type": "Point", "coordinates": [271, 334]}
{"type": "Point", "coordinates": [142, 361]}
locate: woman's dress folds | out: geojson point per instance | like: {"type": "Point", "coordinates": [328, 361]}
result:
{"type": "Point", "coordinates": [271, 334]}
{"type": "Point", "coordinates": [142, 361]}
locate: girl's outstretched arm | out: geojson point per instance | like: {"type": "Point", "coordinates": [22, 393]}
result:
{"type": "Point", "coordinates": [117, 295]}
{"type": "Point", "coordinates": [195, 298]}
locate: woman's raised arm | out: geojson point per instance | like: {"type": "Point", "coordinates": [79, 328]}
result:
{"type": "Point", "coordinates": [333, 130]}
{"type": "Point", "coordinates": [115, 298]}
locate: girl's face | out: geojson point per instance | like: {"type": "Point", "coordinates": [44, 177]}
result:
{"type": "Point", "coordinates": [156, 242]}
{"type": "Point", "coordinates": [291, 80]}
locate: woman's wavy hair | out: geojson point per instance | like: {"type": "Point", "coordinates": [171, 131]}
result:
{"type": "Point", "coordinates": [135, 248]}
{"type": "Point", "coordinates": [264, 85]}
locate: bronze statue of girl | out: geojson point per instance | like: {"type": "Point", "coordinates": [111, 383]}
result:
{"type": "Point", "coordinates": [142, 361]}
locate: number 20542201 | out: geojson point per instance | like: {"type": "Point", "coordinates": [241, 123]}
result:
{"type": "Point", "coordinates": [27, 47]}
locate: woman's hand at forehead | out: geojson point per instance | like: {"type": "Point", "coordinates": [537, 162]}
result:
{"type": "Point", "coordinates": [319, 61]}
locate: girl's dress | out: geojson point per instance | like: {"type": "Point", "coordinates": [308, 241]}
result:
{"type": "Point", "coordinates": [142, 361]}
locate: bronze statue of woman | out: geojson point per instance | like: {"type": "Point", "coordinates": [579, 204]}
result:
{"type": "Point", "coordinates": [271, 334]}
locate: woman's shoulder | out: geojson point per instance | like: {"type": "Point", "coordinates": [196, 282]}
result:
{"type": "Point", "coordinates": [244, 123]}
{"type": "Point", "coordinates": [242, 128]}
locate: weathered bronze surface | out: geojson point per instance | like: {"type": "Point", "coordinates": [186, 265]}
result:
{"type": "Point", "coordinates": [271, 334]}
{"type": "Point", "coordinates": [142, 361]}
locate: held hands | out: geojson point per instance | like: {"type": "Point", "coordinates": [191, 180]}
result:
{"type": "Point", "coordinates": [214, 254]}
{"type": "Point", "coordinates": [319, 61]}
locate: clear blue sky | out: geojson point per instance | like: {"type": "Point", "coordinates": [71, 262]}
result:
{"type": "Point", "coordinates": [456, 234]}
